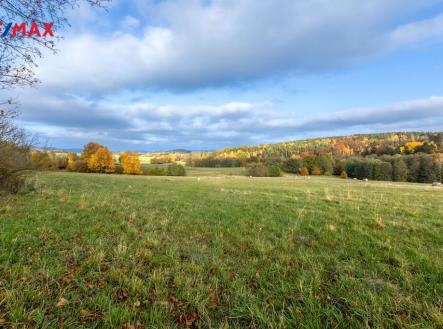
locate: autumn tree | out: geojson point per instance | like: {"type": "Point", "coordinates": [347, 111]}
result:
{"type": "Point", "coordinates": [304, 171]}
{"type": "Point", "coordinates": [130, 163]}
{"type": "Point", "coordinates": [101, 161]}
{"type": "Point", "coordinates": [89, 150]}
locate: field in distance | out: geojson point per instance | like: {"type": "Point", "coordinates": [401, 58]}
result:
{"type": "Point", "coordinates": [86, 250]}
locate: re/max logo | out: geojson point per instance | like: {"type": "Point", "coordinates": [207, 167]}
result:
{"type": "Point", "coordinates": [21, 30]}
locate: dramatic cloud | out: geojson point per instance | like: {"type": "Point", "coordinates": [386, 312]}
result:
{"type": "Point", "coordinates": [194, 44]}
{"type": "Point", "coordinates": [143, 125]}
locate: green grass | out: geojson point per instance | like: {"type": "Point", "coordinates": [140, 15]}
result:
{"type": "Point", "coordinates": [221, 252]}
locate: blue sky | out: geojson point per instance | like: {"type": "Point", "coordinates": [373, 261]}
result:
{"type": "Point", "coordinates": [194, 74]}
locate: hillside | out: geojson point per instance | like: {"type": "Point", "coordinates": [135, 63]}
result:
{"type": "Point", "coordinates": [345, 146]}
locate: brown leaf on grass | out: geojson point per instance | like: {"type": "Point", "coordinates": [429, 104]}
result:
{"type": "Point", "coordinates": [128, 325]}
{"type": "Point", "coordinates": [212, 271]}
{"type": "Point", "coordinates": [137, 304]}
{"type": "Point", "coordinates": [173, 299]}
{"type": "Point", "coordinates": [187, 320]}
{"type": "Point", "coordinates": [257, 274]}
{"type": "Point", "coordinates": [298, 313]}
{"type": "Point", "coordinates": [233, 276]}
{"type": "Point", "coordinates": [88, 315]}
{"type": "Point", "coordinates": [62, 302]}
{"type": "Point", "coordinates": [122, 294]}
{"type": "Point", "coordinates": [61, 323]}
{"type": "Point", "coordinates": [2, 320]}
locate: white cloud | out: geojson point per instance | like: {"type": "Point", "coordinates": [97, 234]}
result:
{"type": "Point", "coordinates": [145, 125]}
{"type": "Point", "coordinates": [202, 43]}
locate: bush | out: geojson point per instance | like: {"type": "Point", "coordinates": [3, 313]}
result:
{"type": "Point", "coordinates": [175, 170]}
{"type": "Point", "coordinates": [80, 165]}
{"type": "Point", "coordinates": [316, 171]}
{"type": "Point", "coordinates": [155, 171]}
{"type": "Point", "coordinates": [42, 161]}
{"type": "Point", "coordinates": [273, 171]}
{"type": "Point", "coordinates": [256, 170]}
{"type": "Point", "coordinates": [17, 183]}
{"type": "Point", "coordinates": [344, 175]}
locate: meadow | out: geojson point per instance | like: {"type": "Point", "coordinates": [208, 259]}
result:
{"type": "Point", "coordinates": [213, 250]}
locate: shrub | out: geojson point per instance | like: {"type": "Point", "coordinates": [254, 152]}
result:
{"type": "Point", "coordinates": [155, 171]}
{"type": "Point", "coordinates": [42, 161]}
{"type": "Point", "coordinates": [80, 165]}
{"type": "Point", "coordinates": [316, 171]}
{"type": "Point", "coordinates": [17, 183]}
{"type": "Point", "coordinates": [344, 175]}
{"type": "Point", "coordinates": [15, 147]}
{"type": "Point", "coordinates": [273, 171]}
{"type": "Point", "coordinates": [175, 170]}
{"type": "Point", "coordinates": [256, 170]}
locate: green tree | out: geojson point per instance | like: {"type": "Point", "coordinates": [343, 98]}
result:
{"type": "Point", "coordinates": [430, 169]}
{"type": "Point", "coordinates": [399, 170]}
{"type": "Point", "coordinates": [292, 165]}
{"type": "Point", "coordinates": [382, 171]}
{"type": "Point", "coordinates": [325, 164]}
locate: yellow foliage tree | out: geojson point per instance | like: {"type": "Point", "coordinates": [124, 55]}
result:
{"type": "Point", "coordinates": [70, 158]}
{"type": "Point", "coordinates": [130, 163]}
{"type": "Point", "coordinates": [101, 161]}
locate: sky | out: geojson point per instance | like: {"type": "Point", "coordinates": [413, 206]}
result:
{"type": "Point", "coordinates": [149, 75]}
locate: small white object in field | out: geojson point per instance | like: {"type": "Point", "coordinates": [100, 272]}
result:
{"type": "Point", "coordinates": [198, 178]}
{"type": "Point", "coordinates": [366, 180]}
{"type": "Point", "coordinates": [309, 177]}
{"type": "Point", "coordinates": [250, 176]}
{"type": "Point", "coordinates": [436, 184]}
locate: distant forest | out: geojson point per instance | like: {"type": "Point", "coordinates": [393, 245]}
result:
{"type": "Point", "coordinates": [412, 156]}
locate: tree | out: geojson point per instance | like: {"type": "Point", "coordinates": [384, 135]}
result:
{"type": "Point", "coordinates": [304, 171]}
{"type": "Point", "coordinates": [18, 54]}
{"type": "Point", "coordinates": [90, 149]}
{"type": "Point", "coordinates": [382, 171]}
{"type": "Point", "coordinates": [325, 164]}
{"type": "Point", "coordinates": [430, 169]}
{"type": "Point", "coordinates": [15, 146]}
{"type": "Point", "coordinates": [101, 161]}
{"type": "Point", "coordinates": [292, 165]}
{"type": "Point", "coordinates": [70, 160]}
{"type": "Point", "coordinates": [256, 170]}
{"type": "Point", "coordinates": [130, 163]}
{"type": "Point", "coordinates": [399, 170]}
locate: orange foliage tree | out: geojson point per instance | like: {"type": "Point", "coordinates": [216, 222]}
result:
{"type": "Point", "coordinates": [130, 163]}
{"type": "Point", "coordinates": [101, 161]}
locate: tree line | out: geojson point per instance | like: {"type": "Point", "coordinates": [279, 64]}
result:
{"type": "Point", "coordinates": [96, 158]}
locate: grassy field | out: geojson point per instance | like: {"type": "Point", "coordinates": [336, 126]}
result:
{"type": "Point", "coordinates": [97, 251]}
